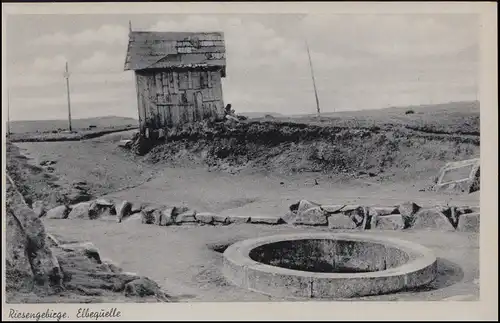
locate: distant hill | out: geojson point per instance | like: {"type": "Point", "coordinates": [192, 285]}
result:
{"type": "Point", "coordinates": [261, 114]}
{"type": "Point", "coordinates": [460, 106]}
{"type": "Point", "coordinates": [49, 125]}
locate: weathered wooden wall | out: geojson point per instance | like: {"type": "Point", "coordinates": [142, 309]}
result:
{"type": "Point", "coordinates": [170, 98]}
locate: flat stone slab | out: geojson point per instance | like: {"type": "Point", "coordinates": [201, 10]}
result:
{"type": "Point", "coordinates": [238, 219]}
{"type": "Point", "coordinates": [431, 218]}
{"type": "Point", "coordinates": [205, 217]}
{"type": "Point", "coordinates": [340, 221]}
{"type": "Point", "coordinates": [265, 219]}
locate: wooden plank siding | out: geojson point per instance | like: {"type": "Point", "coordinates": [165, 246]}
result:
{"type": "Point", "coordinates": [168, 98]}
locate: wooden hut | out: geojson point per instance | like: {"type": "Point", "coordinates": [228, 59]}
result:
{"type": "Point", "coordinates": [178, 77]}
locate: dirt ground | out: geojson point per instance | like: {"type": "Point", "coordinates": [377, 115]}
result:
{"type": "Point", "coordinates": [180, 259]}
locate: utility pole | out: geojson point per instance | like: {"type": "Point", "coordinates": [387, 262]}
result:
{"type": "Point", "coordinates": [313, 81]}
{"type": "Point", "coordinates": [8, 112]}
{"type": "Point", "coordinates": [66, 76]}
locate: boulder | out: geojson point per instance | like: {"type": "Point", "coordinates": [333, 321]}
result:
{"type": "Point", "coordinates": [44, 265]}
{"type": "Point", "coordinates": [86, 248]}
{"type": "Point", "coordinates": [136, 208]}
{"type": "Point", "coordinates": [123, 210]}
{"type": "Point", "coordinates": [314, 216]}
{"type": "Point", "coordinates": [265, 219]}
{"type": "Point", "coordinates": [408, 211]}
{"type": "Point", "coordinates": [101, 208]}
{"type": "Point", "coordinates": [18, 273]}
{"type": "Point", "coordinates": [218, 218]}
{"type": "Point", "coordinates": [59, 212]}
{"type": "Point", "coordinates": [80, 211]}
{"type": "Point", "coordinates": [111, 266]}
{"type": "Point", "coordinates": [340, 221]}
{"type": "Point", "coordinates": [144, 287]}
{"type": "Point", "coordinates": [302, 205]}
{"type": "Point", "coordinates": [469, 222]}
{"type": "Point", "coordinates": [39, 208]}
{"type": "Point", "coordinates": [356, 213]}
{"type": "Point", "coordinates": [431, 218]}
{"type": "Point", "coordinates": [389, 222]}
{"type": "Point", "coordinates": [177, 210]}
{"type": "Point", "coordinates": [384, 210]}
{"type": "Point", "coordinates": [186, 217]}
{"type": "Point", "coordinates": [147, 217]}
{"type": "Point", "coordinates": [332, 208]}
{"type": "Point", "coordinates": [205, 217]}
{"type": "Point", "coordinates": [104, 202]}
{"type": "Point", "coordinates": [166, 217]}
{"type": "Point", "coordinates": [238, 219]}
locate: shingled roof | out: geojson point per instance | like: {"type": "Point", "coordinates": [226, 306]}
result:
{"type": "Point", "coordinates": [157, 50]}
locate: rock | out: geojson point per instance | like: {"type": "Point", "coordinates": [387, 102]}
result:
{"type": "Point", "coordinates": [39, 208]}
{"type": "Point", "coordinates": [143, 287]}
{"type": "Point", "coordinates": [469, 222]}
{"type": "Point", "coordinates": [136, 208]}
{"type": "Point", "coordinates": [314, 216]}
{"type": "Point", "coordinates": [332, 208]}
{"type": "Point", "coordinates": [44, 265]}
{"type": "Point", "coordinates": [177, 210]}
{"type": "Point", "coordinates": [266, 219]}
{"type": "Point", "coordinates": [101, 208]}
{"type": "Point", "coordinates": [302, 205]}
{"type": "Point", "coordinates": [111, 266]}
{"type": "Point", "coordinates": [431, 218]}
{"type": "Point", "coordinates": [221, 219]}
{"type": "Point", "coordinates": [166, 217]}
{"type": "Point", "coordinates": [59, 212]}
{"type": "Point", "coordinates": [123, 210]}
{"type": "Point", "coordinates": [104, 202]}
{"type": "Point", "coordinates": [86, 248]}
{"type": "Point", "coordinates": [186, 217]}
{"type": "Point", "coordinates": [385, 210]}
{"type": "Point", "coordinates": [408, 211]}
{"type": "Point", "coordinates": [238, 219]}
{"type": "Point", "coordinates": [356, 213]}
{"type": "Point", "coordinates": [18, 273]}
{"type": "Point", "coordinates": [390, 222]}
{"type": "Point", "coordinates": [80, 211]}
{"type": "Point", "coordinates": [340, 221]}
{"type": "Point", "coordinates": [147, 217]}
{"type": "Point", "coordinates": [157, 217]}
{"type": "Point", "coordinates": [205, 217]}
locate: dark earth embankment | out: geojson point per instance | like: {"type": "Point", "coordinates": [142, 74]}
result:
{"type": "Point", "coordinates": [390, 151]}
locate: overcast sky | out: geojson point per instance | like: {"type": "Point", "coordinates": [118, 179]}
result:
{"type": "Point", "coordinates": [360, 61]}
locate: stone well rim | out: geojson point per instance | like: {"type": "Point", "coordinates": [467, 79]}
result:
{"type": "Point", "coordinates": [420, 257]}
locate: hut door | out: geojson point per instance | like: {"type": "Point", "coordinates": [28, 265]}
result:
{"type": "Point", "coordinates": [198, 106]}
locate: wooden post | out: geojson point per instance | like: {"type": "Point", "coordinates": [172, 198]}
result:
{"type": "Point", "coordinates": [8, 112]}
{"type": "Point", "coordinates": [66, 75]}
{"type": "Point", "coordinates": [313, 81]}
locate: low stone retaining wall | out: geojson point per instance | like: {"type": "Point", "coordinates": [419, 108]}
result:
{"type": "Point", "coordinates": [407, 215]}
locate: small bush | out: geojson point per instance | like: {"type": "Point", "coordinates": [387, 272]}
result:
{"type": "Point", "coordinates": [409, 112]}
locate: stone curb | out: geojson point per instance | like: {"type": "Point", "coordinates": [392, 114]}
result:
{"type": "Point", "coordinates": [354, 217]}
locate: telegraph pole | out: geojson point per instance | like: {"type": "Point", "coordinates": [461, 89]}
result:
{"type": "Point", "coordinates": [8, 112]}
{"type": "Point", "coordinates": [66, 76]}
{"type": "Point", "coordinates": [313, 81]}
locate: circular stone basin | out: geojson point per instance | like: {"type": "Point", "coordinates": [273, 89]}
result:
{"type": "Point", "coordinates": [328, 265]}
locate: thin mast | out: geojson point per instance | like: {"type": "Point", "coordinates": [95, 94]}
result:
{"type": "Point", "coordinates": [313, 80]}
{"type": "Point", "coordinates": [66, 75]}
